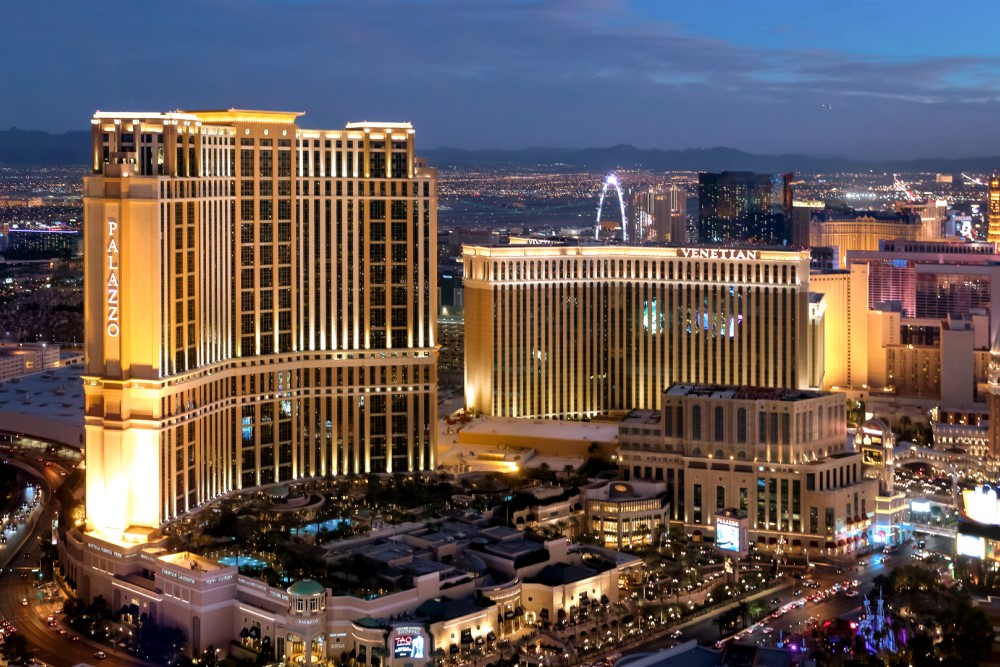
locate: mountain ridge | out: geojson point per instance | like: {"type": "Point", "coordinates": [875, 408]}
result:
{"type": "Point", "coordinates": [34, 148]}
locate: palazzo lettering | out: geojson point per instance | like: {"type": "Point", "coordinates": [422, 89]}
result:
{"type": "Point", "coordinates": [113, 329]}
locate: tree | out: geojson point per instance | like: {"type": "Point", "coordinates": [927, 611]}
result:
{"type": "Point", "coordinates": [160, 643]}
{"type": "Point", "coordinates": [15, 648]}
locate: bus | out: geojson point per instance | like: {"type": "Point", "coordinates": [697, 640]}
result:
{"type": "Point", "coordinates": [890, 549]}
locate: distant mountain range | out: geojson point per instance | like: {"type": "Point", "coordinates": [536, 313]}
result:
{"type": "Point", "coordinates": [20, 148]}
{"type": "Point", "coordinates": [34, 148]}
{"type": "Point", "coordinates": [625, 156]}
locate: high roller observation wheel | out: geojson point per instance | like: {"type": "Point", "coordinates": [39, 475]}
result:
{"type": "Point", "coordinates": [612, 179]}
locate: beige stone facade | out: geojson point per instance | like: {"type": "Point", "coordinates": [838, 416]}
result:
{"type": "Point", "coordinates": [780, 456]}
{"type": "Point", "coordinates": [260, 306]}
{"type": "Point", "coordinates": [576, 331]}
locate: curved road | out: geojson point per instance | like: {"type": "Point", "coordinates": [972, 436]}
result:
{"type": "Point", "coordinates": [45, 642]}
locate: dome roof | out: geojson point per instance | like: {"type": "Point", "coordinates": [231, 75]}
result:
{"type": "Point", "coordinates": [306, 588]}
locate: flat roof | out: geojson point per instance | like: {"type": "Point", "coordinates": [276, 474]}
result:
{"type": "Point", "coordinates": [55, 394]}
{"type": "Point", "coordinates": [737, 393]}
{"type": "Point", "coordinates": [544, 429]}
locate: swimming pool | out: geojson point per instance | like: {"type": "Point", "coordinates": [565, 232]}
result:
{"type": "Point", "coordinates": [313, 528]}
{"type": "Point", "coordinates": [243, 561]}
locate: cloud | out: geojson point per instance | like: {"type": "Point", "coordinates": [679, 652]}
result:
{"type": "Point", "coordinates": [495, 73]}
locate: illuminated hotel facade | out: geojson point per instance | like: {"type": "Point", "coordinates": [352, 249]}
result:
{"type": "Point", "coordinates": [260, 306]}
{"type": "Point", "coordinates": [779, 456]}
{"type": "Point", "coordinates": [576, 331]}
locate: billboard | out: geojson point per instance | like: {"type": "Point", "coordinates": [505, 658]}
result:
{"type": "Point", "coordinates": [727, 535]}
{"type": "Point", "coordinates": [970, 545]}
{"type": "Point", "coordinates": [871, 456]}
{"type": "Point", "coordinates": [409, 643]}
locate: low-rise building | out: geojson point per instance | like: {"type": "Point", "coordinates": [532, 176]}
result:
{"type": "Point", "coordinates": [627, 514]}
{"type": "Point", "coordinates": [444, 589]}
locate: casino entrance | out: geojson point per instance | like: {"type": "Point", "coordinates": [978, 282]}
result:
{"type": "Point", "coordinates": [295, 650]}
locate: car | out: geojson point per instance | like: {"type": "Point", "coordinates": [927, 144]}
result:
{"type": "Point", "coordinates": [852, 593]}
{"type": "Point", "coordinates": [768, 630]}
{"type": "Point", "coordinates": [100, 655]}
{"type": "Point", "coordinates": [797, 592]}
{"type": "Point", "coordinates": [775, 601]}
{"type": "Point", "coordinates": [74, 638]}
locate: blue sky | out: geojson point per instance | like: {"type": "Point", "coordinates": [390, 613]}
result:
{"type": "Point", "coordinates": [876, 79]}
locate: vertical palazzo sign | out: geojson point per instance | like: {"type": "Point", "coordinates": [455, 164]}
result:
{"type": "Point", "coordinates": [113, 328]}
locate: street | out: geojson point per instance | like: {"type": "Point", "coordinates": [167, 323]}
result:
{"type": "Point", "coordinates": [797, 621]}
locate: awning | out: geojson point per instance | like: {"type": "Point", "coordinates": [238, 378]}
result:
{"type": "Point", "coordinates": [864, 517]}
{"type": "Point", "coordinates": [813, 544]}
{"type": "Point", "coordinates": [796, 543]}
{"type": "Point", "coordinates": [604, 599]}
{"type": "Point", "coordinates": [841, 543]}
{"type": "Point", "coordinates": [453, 649]}
{"type": "Point", "coordinates": [490, 636]}
{"type": "Point", "coordinates": [830, 545]}
{"type": "Point", "coordinates": [772, 540]}
{"type": "Point", "coordinates": [857, 519]}
{"type": "Point", "coordinates": [480, 641]}
{"type": "Point", "coordinates": [761, 539]}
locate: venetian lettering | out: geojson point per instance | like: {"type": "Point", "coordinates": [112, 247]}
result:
{"type": "Point", "coordinates": [718, 253]}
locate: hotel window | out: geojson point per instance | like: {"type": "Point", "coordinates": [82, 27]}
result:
{"type": "Point", "coordinates": [696, 422]}
{"type": "Point", "coordinates": [741, 425]}
{"type": "Point", "coordinates": [719, 423]}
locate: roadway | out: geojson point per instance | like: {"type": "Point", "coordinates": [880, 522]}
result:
{"type": "Point", "coordinates": [46, 643]}
{"type": "Point", "coordinates": [798, 621]}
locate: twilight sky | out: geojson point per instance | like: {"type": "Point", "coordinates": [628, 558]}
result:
{"type": "Point", "coordinates": [865, 79]}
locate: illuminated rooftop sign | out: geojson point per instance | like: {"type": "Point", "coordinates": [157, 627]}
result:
{"type": "Point", "coordinates": [718, 253]}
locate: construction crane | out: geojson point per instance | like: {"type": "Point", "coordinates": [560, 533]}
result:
{"type": "Point", "coordinates": [972, 181]}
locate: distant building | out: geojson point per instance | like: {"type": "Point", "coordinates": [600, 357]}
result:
{"type": "Point", "coordinates": [42, 244]}
{"type": "Point", "coordinates": [932, 214]}
{"type": "Point", "coordinates": [744, 207]}
{"type": "Point", "coordinates": [660, 213]}
{"type": "Point", "coordinates": [17, 359]}
{"type": "Point", "coordinates": [824, 258]}
{"type": "Point", "coordinates": [993, 231]}
{"type": "Point", "coordinates": [861, 230]}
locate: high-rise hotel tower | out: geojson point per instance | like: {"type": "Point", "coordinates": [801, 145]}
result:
{"type": "Point", "coordinates": [260, 307]}
{"type": "Point", "coordinates": [576, 331]}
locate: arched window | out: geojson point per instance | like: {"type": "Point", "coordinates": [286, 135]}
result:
{"type": "Point", "coordinates": [741, 455]}
{"type": "Point", "coordinates": [696, 422]}
{"type": "Point", "coordinates": [696, 451]}
{"type": "Point", "coordinates": [741, 425]}
{"type": "Point", "coordinates": [719, 422]}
